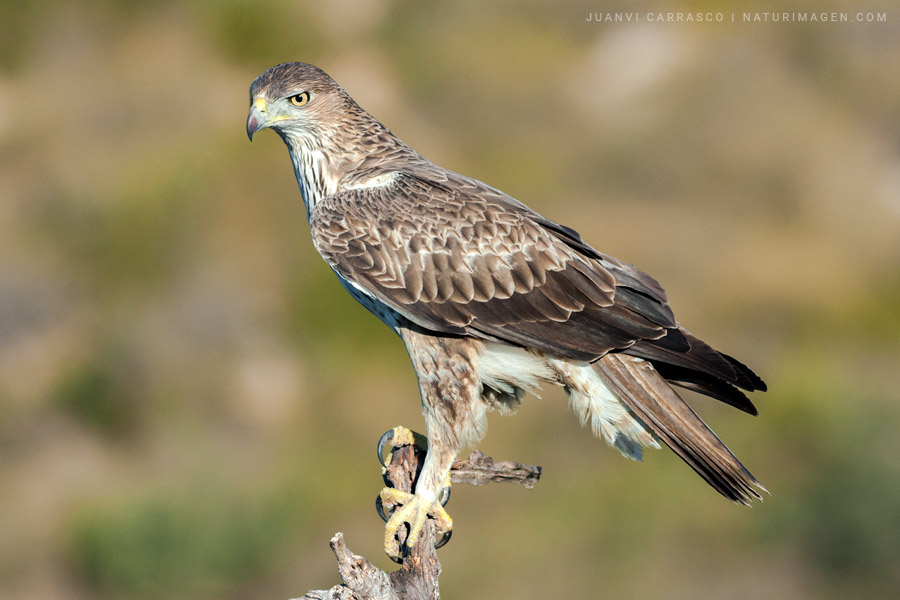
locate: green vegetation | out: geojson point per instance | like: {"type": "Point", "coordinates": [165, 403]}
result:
{"type": "Point", "coordinates": [100, 398]}
{"type": "Point", "coordinates": [198, 541]}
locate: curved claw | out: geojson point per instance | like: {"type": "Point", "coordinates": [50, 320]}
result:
{"type": "Point", "coordinates": [379, 508]}
{"type": "Point", "coordinates": [444, 539]}
{"type": "Point", "coordinates": [444, 498]}
{"type": "Point", "coordinates": [386, 437]}
{"type": "Point", "coordinates": [400, 436]}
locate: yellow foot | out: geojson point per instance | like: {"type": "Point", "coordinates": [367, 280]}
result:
{"type": "Point", "coordinates": [400, 436]}
{"type": "Point", "coordinates": [412, 509]}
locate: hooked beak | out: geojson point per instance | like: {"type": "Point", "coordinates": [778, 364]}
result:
{"type": "Point", "coordinates": [257, 119]}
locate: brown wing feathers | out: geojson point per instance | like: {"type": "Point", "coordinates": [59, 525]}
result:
{"type": "Point", "coordinates": [478, 262]}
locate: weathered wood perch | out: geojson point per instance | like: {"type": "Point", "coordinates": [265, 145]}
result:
{"type": "Point", "coordinates": [417, 577]}
{"type": "Point", "coordinates": [479, 469]}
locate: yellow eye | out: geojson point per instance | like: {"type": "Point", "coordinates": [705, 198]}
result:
{"type": "Point", "coordinates": [300, 99]}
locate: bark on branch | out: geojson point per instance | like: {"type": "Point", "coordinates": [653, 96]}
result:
{"type": "Point", "coordinates": [417, 578]}
{"type": "Point", "coordinates": [479, 469]}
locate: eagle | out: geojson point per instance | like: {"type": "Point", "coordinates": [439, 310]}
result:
{"type": "Point", "coordinates": [492, 299]}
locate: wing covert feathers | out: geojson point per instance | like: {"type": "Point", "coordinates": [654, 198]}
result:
{"type": "Point", "coordinates": [650, 397]}
{"type": "Point", "coordinates": [455, 256]}
{"type": "Point", "coordinates": [460, 257]}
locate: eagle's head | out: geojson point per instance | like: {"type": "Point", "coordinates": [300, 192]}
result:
{"type": "Point", "coordinates": [297, 99]}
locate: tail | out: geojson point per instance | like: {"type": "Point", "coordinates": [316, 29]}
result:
{"type": "Point", "coordinates": [647, 394]}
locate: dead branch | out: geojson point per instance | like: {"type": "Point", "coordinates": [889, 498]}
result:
{"type": "Point", "coordinates": [417, 578]}
{"type": "Point", "coordinates": [479, 469]}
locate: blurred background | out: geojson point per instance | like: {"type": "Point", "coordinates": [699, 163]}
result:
{"type": "Point", "coordinates": [189, 402]}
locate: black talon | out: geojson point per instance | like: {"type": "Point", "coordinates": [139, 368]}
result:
{"type": "Point", "coordinates": [444, 539]}
{"type": "Point", "coordinates": [385, 438]}
{"type": "Point", "coordinates": [445, 496]}
{"type": "Point", "coordinates": [379, 508]}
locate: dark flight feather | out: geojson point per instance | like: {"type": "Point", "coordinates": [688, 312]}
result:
{"type": "Point", "coordinates": [648, 395]}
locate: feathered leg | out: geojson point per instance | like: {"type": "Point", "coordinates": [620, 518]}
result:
{"type": "Point", "coordinates": [453, 408]}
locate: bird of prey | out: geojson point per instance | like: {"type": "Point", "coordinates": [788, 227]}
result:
{"type": "Point", "coordinates": [491, 298]}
